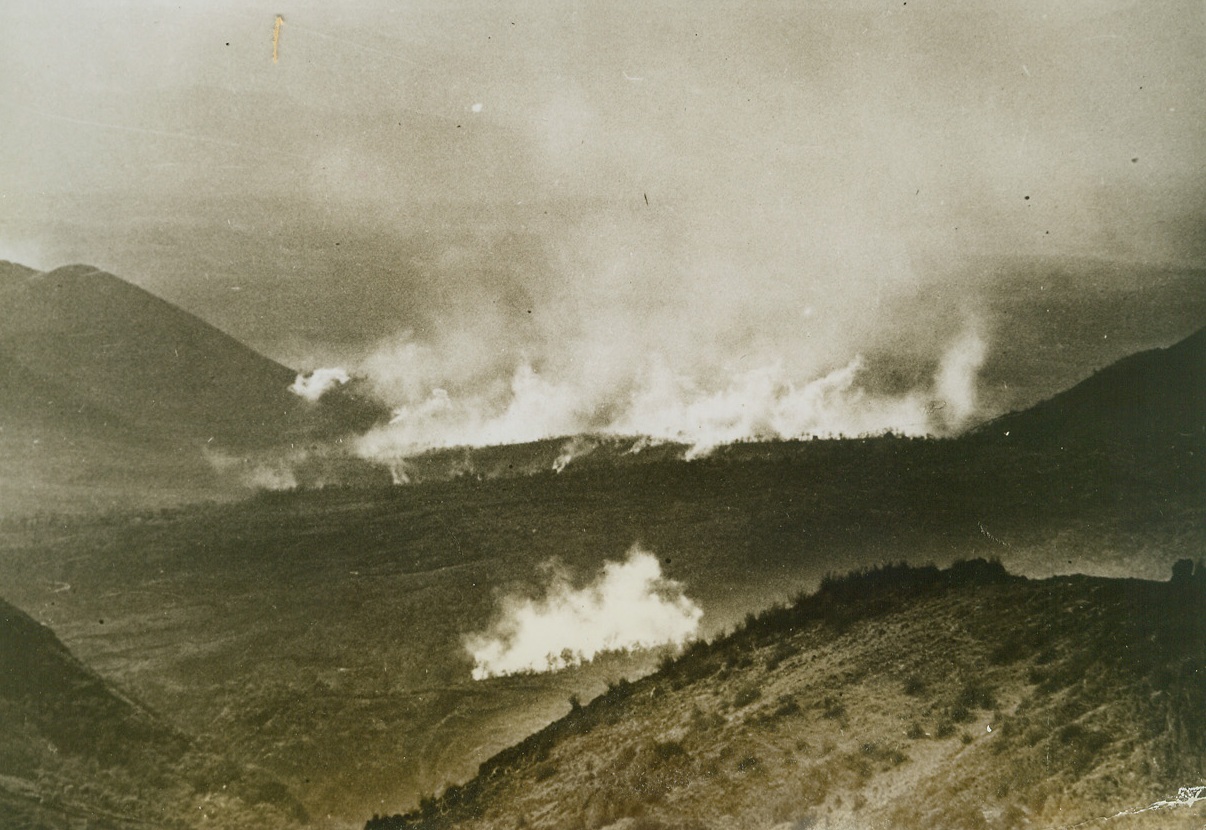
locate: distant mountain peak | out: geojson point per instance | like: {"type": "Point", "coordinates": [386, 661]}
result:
{"type": "Point", "coordinates": [100, 377]}
{"type": "Point", "coordinates": [149, 362]}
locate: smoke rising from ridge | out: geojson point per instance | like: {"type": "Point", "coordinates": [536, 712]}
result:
{"type": "Point", "coordinates": [314, 385]}
{"type": "Point", "coordinates": [664, 403]}
{"type": "Point", "coordinates": [629, 605]}
{"type": "Point", "coordinates": [529, 219]}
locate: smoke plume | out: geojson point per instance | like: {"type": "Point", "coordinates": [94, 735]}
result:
{"type": "Point", "coordinates": [956, 380]}
{"type": "Point", "coordinates": [574, 448]}
{"type": "Point", "coordinates": [661, 402]}
{"type": "Point", "coordinates": [549, 203]}
{"type": "Point", "coordinates": [315, 385]}
{"type": "Point", "coordinates": [629, 605]}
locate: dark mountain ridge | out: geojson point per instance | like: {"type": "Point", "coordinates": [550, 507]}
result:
{"type": "Point", "coordinates": [110, 395]}
{"type": "Point", "coordinates": [148, 363]}
{"type": "Point", "coordinates": [1154, 399]}
{"type": "Point", "coordinates": [101, 380]}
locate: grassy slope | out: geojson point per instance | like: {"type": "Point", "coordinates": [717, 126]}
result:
{"type": "Point", "coordinates": [898, 698]}
{"type": "Point", "coordinates": [1157, 395]}
{"type": "Point", "coordinates": [76, 751]}
{"type": "Point", "coordinates": [57, 450]}
{"type": "Point", "coordinates": [118, 347]}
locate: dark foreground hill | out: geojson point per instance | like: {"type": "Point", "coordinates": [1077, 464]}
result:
{"type": "Point", "coordinates": [76, 752]}
{"type": "Point", "coordinates": [899, 697]}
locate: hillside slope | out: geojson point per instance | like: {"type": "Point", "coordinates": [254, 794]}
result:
{"type": "Point", "coordinates": [1156, 399]}
{"type": "Point", "coordinates": [1051, 321]}
{"type": "Point", "coordinates": [60, 452]}
{"type": "Point", "coordinates": [111, 396]}
{"type": "Point", "coordinates": [901, 697]}
{"type": "Point", "coordinates": [325, 628]}
{"type": "Point", "coordinates": [151, 364]}
{"type": "Point", "coordinates": [78, 752]}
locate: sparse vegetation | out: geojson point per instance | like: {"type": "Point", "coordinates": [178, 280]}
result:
{"type": "Point", "coordinates": [832, 708]}
{"type": "Point", "coordinates": [746, 696]}
{"type": "Point", "coordinates": [76, 746]}
{"type": "Point", "coordinates": [830, 729]}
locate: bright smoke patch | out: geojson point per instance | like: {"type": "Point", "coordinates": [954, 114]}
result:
{"type": "Point", "coordinates": [956, 380]}
{"type": "Point", "coordinates": [317, 383]}
{"type": "Point", "coordinates": [576, 447]}
{"type": "Point", "coordinates": [630, 605]}
{"type": "Point", "coordinates": [663, 405]}
{"type": "Point", "coordinates": [763, 404]}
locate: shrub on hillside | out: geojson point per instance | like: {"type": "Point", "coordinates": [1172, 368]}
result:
{"type": "Point", "coordinates": [780, 653]}
{"type": "Point", "coordinates": [832, 708]}
{"type": "Point", "coordinates": [1082, 746]}
{"type": "Point", "coordinates": [975, 695]}
{"type": "Point", "coordinates": [746, 695]}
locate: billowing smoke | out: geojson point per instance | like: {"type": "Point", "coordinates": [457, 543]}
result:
{"type": "Point", "coordinates": [956, 380]}
{"type": "Point", "coordinates": [314, 385]}
{"type": "Point", "coordinates": [629, 605]}
{"type": "Point", "coordinates": [591, 214]}
{"type": "Point", "coordinates": [658, 401]}
{"type": "Point", "coordinates": [531, 409]}
{"type": "Point", "coordinates": [575, 447]}
{"type": "Point", "coordinates": [765, 404]}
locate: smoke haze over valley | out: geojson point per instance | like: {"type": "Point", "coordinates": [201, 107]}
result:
{"type": "Point", "coordinates": [379, 381]}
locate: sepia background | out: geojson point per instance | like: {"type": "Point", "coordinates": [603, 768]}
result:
{"type": "Point", "coordinates": [496, 415]}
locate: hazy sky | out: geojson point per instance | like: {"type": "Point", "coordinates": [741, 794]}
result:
{"type": "Point", "coordinates": [579, 185]}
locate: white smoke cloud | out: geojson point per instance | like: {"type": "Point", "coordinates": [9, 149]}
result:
{"type": "Point", "coordinates": [956, 380]}
{"type": "Point", "coordinates": [530, 409]}
{"type": "Point", "coordinates": [274, 472]}
{"type": "Point", "coordinates": [630, 605]}
{"type": "Point", "coordinates": [765, 404]}
{"type": "Point", "coordinates": [574, 448]}
{"type": "Point", "coordinates": [315, 385]}
{"type": "Point", "coordinates": [642, 443]}
{"type": "Point", "coordinates": [654, 401]}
